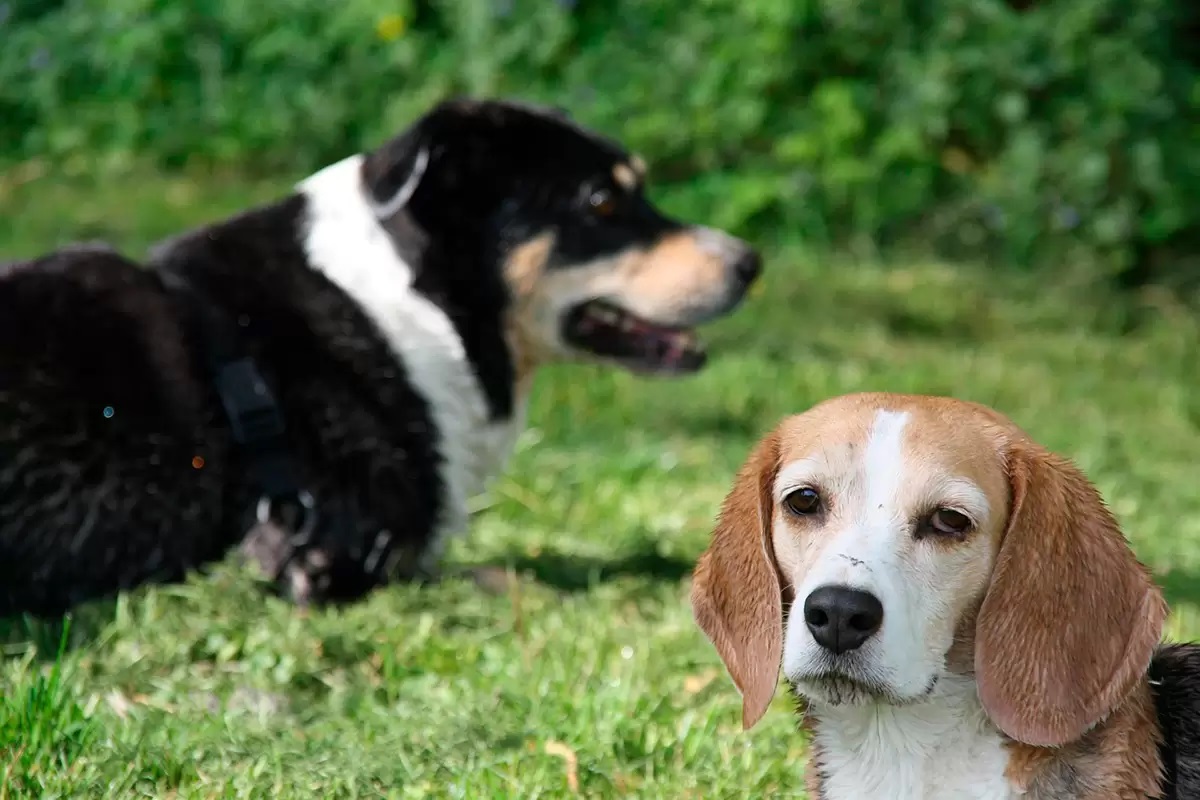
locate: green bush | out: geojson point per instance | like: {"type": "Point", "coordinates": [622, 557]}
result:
{"type": "Point", "coordinates": [971, 123]}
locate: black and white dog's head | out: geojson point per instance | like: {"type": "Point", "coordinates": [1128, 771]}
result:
{"type": "Point", "coordinates": [554, 216]}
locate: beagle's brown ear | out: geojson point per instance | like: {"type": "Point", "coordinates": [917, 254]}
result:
{"type": "Point", "coordinates": [1071, 619]}
{"type": "Point", "coordinates": [736, 595]}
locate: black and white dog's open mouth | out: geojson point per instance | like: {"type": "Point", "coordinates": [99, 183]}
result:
{"type": "Point", "coordinates": [604, 329]}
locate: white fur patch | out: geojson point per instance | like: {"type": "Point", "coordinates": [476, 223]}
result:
{"type": "Point", "coordinates": [885, 466]}
{"type": "Point", "coordinates": [943, 748]}
{"type": "Point", "coordinates": [345, 241]}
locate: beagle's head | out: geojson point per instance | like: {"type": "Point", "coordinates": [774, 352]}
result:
{"type": "Point", "coordinates": [877, 543]}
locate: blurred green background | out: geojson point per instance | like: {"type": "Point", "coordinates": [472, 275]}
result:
{"type": "Point", "coordinates": [1030, 133]}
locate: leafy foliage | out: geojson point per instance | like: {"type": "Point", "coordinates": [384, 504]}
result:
{"type": "Point", "coordinates": [979, 124]}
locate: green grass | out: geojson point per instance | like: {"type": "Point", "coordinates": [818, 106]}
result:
{"type": "Point", "coordinates": [589, 667]}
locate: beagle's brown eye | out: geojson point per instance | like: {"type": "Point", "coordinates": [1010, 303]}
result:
{"type": "Point", "coordinates": [803, 501]}
{"type": "Point", "coordinates": [603, 202]}
{"type": "Point", "coordinates": [949, 522]}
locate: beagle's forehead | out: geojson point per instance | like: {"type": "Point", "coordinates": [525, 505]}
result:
{"type": "Point", "coordinates": [883, 432]}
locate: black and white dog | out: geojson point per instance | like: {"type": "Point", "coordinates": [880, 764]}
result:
{"type": "Point", "coordinates": [338, 372]}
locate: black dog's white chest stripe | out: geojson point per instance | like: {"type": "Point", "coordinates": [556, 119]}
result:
{"type": "Point", "coordinates": [344, 241]}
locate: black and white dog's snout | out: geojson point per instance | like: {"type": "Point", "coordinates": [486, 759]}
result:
{"type": "Point", "coordinates": [747, 266]}
{"type": "Point", "coordinates": [740, 258]}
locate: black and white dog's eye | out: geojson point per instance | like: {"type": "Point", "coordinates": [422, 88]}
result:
{"type": "Point", "coordinates": [603, 202]}
{"type": "Point", "coordinates": [803, 501]}
{"type": "Point", "coordinates": [949, 522]}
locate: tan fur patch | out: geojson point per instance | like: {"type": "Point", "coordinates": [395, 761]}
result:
{"type": "Point", "coordinates": [526, 265]}
{"type": "Point", "coordinates": [523, 270]}
{"type": "Point", "coordinates": [960, 660]}
{"type": "Point", "coordinates": [663, 283]}
{"type": "Point", "coordinates": [1026, 764]}
{"type": "Point", "coordinates": [1085, 571]}
{"type": "Point", "coordinates": [735, 594]}
{"type": "Point", "coordinates": [525, 359]}
{"type": "Point", "coordinates": [670, 273]}
{"type": "Point", "coordinates": [812, 770]}
{"type": "Point", "coordinates": [626, 177]}
{"type": "Point", "coordinates": [1117, 761]}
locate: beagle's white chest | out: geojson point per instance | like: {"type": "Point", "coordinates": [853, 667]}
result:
{"type": "Point", "coordinates": [943, 750]}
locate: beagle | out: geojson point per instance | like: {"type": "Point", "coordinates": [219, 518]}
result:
{"type": "Point", "coordinates": [953, 605]}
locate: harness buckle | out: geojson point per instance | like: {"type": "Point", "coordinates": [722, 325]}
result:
{"type": "Point", "coordinates": [249, 404]}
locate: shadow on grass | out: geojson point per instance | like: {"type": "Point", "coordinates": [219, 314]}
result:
{"type": "Point", "coordinates": [44, 635]}
{"type": "Point", "coordinates": [571, 573]}
{"type": "Point", "coordinates": [41, 638]}
{"type": "Point", "coordinates": [747, 425]}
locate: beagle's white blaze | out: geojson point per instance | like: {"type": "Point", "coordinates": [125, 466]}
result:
{"type": "Point", "coordinates": [884, 466]}
{"type": "Point", "coordinates": [861, 549]}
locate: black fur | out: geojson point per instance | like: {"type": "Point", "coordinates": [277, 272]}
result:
{"type": "Point", "coordinates": [93, 502]}
{"type": "Point", "coordinates": [361, 433]}
{"type": "Point", "coordinates": [101, 415]}
{"type": "Point", "coordinates": [1175, 680]}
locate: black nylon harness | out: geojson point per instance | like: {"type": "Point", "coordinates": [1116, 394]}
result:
{"type": "Point", "coordinates": [256, 421]}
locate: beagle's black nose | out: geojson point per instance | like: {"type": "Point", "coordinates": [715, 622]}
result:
{"type": "Point", "coordinates": [841, 618]}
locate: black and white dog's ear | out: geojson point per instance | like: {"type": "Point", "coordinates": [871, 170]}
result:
{"type": "Point", "coordinates": [396, 171]}
{"type": "Point", "coordinates": [393, 173]}
{"type": "Point", "coordinates": [446, 149]}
